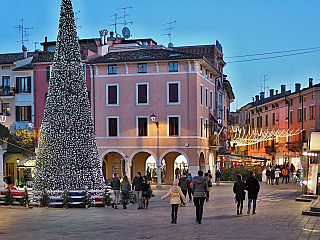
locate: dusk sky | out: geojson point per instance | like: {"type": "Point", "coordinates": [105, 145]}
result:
{"type": "Point", "coordinates": [290, 28]}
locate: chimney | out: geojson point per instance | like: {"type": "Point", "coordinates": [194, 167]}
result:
{"type": "Point", "coordinates": [283, 88]}
{"type": "Point", "coordinates": [46, 39]}
{"type": "Point", "coordinates": [310, 82]}
{"type": "Point", "coordinates": [25, 51]}
{"type": "Point", "coordinates": [276, 92]}
{"type": "Point", "coordinates": [261, 95]}
{"type": "Point", "coordinates": [102, 37]}
{"type": "Point", "coordinates": [271, 93]}
{"type": "Point", "coordinates": [257, 98]}
{"type": "Point", "coordinates": [298, 86]}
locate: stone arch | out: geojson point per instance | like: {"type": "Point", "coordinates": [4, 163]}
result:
{"type": "Point", "coordinates": [139, 151]}
{"type": "Point", "coordinates": [202, 162]}
{"type": "Point", "coordinates": [111, 150]}
{"type": "Point", "coordinates": [175, 150]}
{"type": "Point", "coordinates": [113, 161]}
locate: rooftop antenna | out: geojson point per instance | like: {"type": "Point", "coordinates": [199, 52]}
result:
{"type": "Point", "coordinates": [267, 91]}
{"type": "Point", "coordinates": [23, 32]}
{"type": "Point", "coordinates": [125, 30]}
{"type": "Point", "coordinates": [76, 18]}
{"type": "Point", "coordinates": [170, 45]}
{"type": "Point", "coordinates": [264, 82]}
{"type": "Point", "coordinates": [35, 45]}
{"type": "Point", "coordinates": [115, 24]}
{"type": "Point", "coordinates": [260, 88]}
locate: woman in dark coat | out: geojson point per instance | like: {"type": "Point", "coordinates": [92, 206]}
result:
{"type": "Point", "coordinates": [238, 189]}
{"type": "Point", "coordinates": [253, 188]}
{"type": "Point", "coordinates": [145, 191]}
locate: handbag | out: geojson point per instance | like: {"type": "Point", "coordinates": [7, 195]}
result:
{"type": "Point", "coordinates": [235, 199]}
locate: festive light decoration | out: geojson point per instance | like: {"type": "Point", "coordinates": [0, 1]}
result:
{"type": "Point", "coordinates": [67, 156]}
{"type": "Point", "coordinates": [252, 136]}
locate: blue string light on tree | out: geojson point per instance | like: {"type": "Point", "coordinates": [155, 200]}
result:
{"type": "Point", "coordinates": [67, 154]}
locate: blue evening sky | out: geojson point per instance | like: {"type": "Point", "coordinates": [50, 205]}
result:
{"type": "Point", "coordinates": [242, 27]}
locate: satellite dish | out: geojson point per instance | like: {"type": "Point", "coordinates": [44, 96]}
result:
{"type": "Point", "coordinates": [126, 32]}
{"type": "Point", "coordinates": [170, 45]}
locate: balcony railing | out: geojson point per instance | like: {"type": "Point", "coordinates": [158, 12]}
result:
{"type": "Point", "coordinates": [7, 91]}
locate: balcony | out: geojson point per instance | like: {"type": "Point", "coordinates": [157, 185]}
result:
{"type": "Point", "coordinates": [294, 146]}
{"type": "Point", "coordinates": [7, 91]}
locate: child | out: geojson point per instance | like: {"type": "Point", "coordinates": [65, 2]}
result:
{"type": "Point", "coordinates": [175, 193]}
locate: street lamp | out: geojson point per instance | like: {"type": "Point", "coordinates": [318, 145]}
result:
{"type": "Point", "coordinates": [18, 161]}
{"type": "Point", "coordinates": [153, 119]}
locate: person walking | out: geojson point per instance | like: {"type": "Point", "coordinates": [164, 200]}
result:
{"type": "Point", "coordinates": [115, 185]}
{"type": "Point", "coordinates": [277, 175]}
{"type": "Point", "coordinates": [184, 184]}
{"type": "Point", "coordinates": [268, 176]}
{"type": "Point", "coordinates": [238, 188]}
{"type": "Point", "coordinates": [272, 175]}
{"type": "Point", "coordinates": [199, 189]}
{"type": "Point", "coordinates": [175, 193]}
{"type": "Point", "coordinates": [137, 188]}
{"type": "Point", "coordinates": [190, 187]}
{"type": "Point", "coordinates": [218, 176]}
{"type": "Point", "coordinates": [145, 191]}
{"type": "Point", "coordinates": [284, 174]}
{"type": "Point", "coordinates": [253, 188]}
{"type": "Point", "coordinates": [125, 189]}
{"type": "Point", "coordinates": [209, 184]}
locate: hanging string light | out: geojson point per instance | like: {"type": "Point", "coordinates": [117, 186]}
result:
{"type": "Point", "coordinates": [243, 137]}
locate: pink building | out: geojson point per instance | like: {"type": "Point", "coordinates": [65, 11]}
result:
{"type": "Point", "coordinates": [129, 86]}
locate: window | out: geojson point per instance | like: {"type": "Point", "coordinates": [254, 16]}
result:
{"type": "Point", "coordinates": [312, 95]}
{"type": "Point", "coordinates": [23, 84]}
{"type": "Point", "coordinates": [273, 118]}
{"type": "Point", "coordinates": [51, 48]}
{"type": "Point", "coordinates": [211, 100]}
{"type": "Point", "coordinates": [173, 66]}
{"type": "Point", "coordinates": [201, 126]}
{"type": "Point", "coordinates": [258, 122]}
{"type": "Point", "coordinates": [112, 92]}
{"type": "Point", "coordinates": [6, 108]}
{"type": "Point", "coordinates": [173, 125]}
{"type": "Point", "coordinates": [210, 76]}
{"type": "Point", "coordinates": [305, 98]}
{"type": "Point", "coordinates": [266, 121]}
{"type": "Point", "coordinates": [142, 126]}
{"type": "Point", "coordinates": [48, 72]}
{"type": "Point", "coordinates": [112, 126]}
{"type": "Point", "coordinates": [23, 113]}
{"type": "Point", "coordinates": [299, 115]}
{"type": "Point", "coordinates": [206, 127]}
{"type": "Point", "coordinates": [5, 67]}
{"type": "Point", "coordinates": [206, 98]}
{"type": "Point", "coordinates": [312, 112]}
{"type": "Point", "coordinates": [173, 93]}
{"type": "Point", "coordinates": [305, 114]}
{"type": "Point", "coordinates": [206, 73]}
{"type": "Point", "coordinates": [6, 90]}
{"type": "Point", "coordinates": [252, 123]}
{"type": "Point", "coordinates": [200, 69]}
{"type": "Point", "coordinates": [142, 93]}
{"type": "Point", "coordinates": [112, 69]}
{"type": "Point", "coordinates": [291, 116]}
{"type": "Point", "coordinates": [300, 99]}
{"type": "Point", "coordinates": [291, 102]}
{"type": "Point", "coordinates": [142, 68]}
{"type": "Point", "coordinates": [201, 94]}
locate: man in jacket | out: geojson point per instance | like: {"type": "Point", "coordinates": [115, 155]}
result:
{"type": "Point", "coordinates": [184, 185]}
{"type": "Point", "coordinates": [199, 189]}
{"type": "Point", "coordinates": [137, 188]}
{"type": "Point", "coordinates": [253, 188]}
{"type": "Point", "coordinates": [115, 185]}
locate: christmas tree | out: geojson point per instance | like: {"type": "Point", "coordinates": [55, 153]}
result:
{"type": "Point", "coordinates": [67, 154]}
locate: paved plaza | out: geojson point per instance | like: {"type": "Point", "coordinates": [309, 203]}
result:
{"type": "Point", "coordinates": [278, 217]}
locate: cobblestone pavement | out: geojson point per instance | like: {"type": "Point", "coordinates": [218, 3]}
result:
{"type": "Point", "coordinates": [278, 217]}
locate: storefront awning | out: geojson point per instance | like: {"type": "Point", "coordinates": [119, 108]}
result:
{"type": "Point", "coordinates": [28, 162]}
{"type": "Point", "coordinates": [245, 156]}
{"type": "Point", "coordinates": [314, 142]}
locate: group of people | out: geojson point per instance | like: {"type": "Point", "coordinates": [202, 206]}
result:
{"type": "Point", "coordinates": [140, 186]}
{"type": "Point", "coordinates": [274, 173]}
{"type": "Point", "coordinates": [252, 186]}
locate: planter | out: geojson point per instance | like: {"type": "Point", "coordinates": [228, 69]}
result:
{"type": "Point", "coordinates": [87, 206]}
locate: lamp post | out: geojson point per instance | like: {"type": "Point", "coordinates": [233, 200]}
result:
{"type": "Point", "coordinates": [153, 119]}
{"type": "Point", "coordinates": [18, 161]}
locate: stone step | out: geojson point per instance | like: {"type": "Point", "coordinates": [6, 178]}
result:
{"type": "Point", "coordinates": [311, 213]}
{"type": "Point", "coordinates": [315, 209]}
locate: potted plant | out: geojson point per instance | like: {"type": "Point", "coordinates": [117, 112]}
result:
{"type": "Point", "coordinates": [66, 199]}
{"type": "Point", "coordinates": [24, 201]}
{"type": "Point", "coordinates": [45, 199]}
{"type": "Point", "coordinates": [106, 200]}
{"type": "Point", "coordinates": [86, 199]}
{"type": "Point", "coordinates": [9, 198]}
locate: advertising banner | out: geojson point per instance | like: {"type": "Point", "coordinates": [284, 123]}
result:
{"type": "Point", "coordinates": [312, 178]}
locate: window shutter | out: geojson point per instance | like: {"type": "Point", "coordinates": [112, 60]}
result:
{"type": "Point", "coordinates": [17, 84]}
{"type": "Point", "coordinates": [18, 113]}
{"type": "Point", "coordinates": [29, 113]}
{"type": "Point", "coordinates": [48, 73]}
{"type": "Point", "coordinates": [29, 85]}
